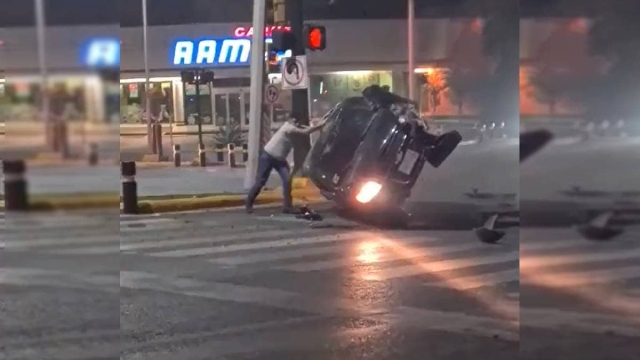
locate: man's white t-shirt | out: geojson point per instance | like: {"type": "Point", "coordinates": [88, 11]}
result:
{"type": "Point", "coordinates": [280, 144]}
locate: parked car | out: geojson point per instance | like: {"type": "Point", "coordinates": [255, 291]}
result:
{"type": "Point", "coordinates": [367, 158]}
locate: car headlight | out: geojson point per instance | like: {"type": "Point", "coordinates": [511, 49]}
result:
{"type": "Point", "coordinates": [368, 191]}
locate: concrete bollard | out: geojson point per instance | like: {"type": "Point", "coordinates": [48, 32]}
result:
{"type": "Point", "coordinates": [231, 149]}
{"type": "Point", "coordinates": [15, 185]}
{"type": "Point", "coordinates": [177, 159]}
{"type": "Point", "coordinates": [129, 187]}
{"type": "Point", "coordinates": [202, 155]}
{"type": "Point", "coordinates": [245, 153]}
{"type": "Point", "coordinates": [93, 154]}
{"type": "Point", "coordinates": [219, 153]}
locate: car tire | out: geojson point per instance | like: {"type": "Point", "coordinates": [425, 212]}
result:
{"type": "Point", "coordinates": [444, 147]}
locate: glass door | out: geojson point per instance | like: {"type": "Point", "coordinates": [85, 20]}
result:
{"type": "Point", "coordinates": [231, 106]}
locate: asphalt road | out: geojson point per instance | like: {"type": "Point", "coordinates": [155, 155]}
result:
{"type": "Point", "coordinates": [226, 285]}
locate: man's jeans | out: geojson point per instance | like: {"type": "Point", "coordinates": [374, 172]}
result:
{"type": "Point", "coordinates": [266, 163]}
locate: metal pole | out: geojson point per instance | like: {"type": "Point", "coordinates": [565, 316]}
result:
{"type": "Point", "coordinates": [299, 98]}
{"type": "Point", "coordinates": [145, 50]}
{"type": "Point", "coordinates": [255, 94]}
{"type": "Point", "coordinates": [42, 62]}
{"type": "Point", "coordinates": [198, 73]}
{"type": "Point", "coordinates": [411, 47]}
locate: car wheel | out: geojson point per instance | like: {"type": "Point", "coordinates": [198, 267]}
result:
{"type": "Point", "coordinates": [444, 147]}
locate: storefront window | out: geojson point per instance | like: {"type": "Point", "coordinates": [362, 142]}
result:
{"type": "Point", "coordinates": [23, 98]}
{"type": "Point", "coordinates": [190, 104]}
{"type": "Point", "coordinates": [112, 102]}
{"type": "Point", "coordinates": [133, 105]}
{"type": "Point", "coordinates": [329, 89]}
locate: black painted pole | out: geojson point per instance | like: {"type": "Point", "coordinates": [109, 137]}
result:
{"type": "Point", "coordinates": [129, 187]}
{"type": "Point", "coordinates": [15, 185]}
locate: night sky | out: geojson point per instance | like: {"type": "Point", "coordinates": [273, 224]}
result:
{"type": "Point", "coordinates": [162, 12]}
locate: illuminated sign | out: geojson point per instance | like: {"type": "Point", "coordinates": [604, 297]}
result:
{"type": "Point", "coordinates": [215, 52]}
{"type": "Point", "coordinates": [100, 53]}
{"type": "Point", "coordinates": [247, 31]}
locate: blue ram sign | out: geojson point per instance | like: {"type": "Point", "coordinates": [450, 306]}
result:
{"type": "Point", "coordinates": [210, 52]}
{"type": "Point", "coordinates": [100, 53]}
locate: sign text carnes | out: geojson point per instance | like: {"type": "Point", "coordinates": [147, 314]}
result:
{"type": "Point", "coordinates": [247, 31]}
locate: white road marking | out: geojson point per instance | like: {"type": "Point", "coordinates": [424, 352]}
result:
{"type": "Point", "coordinates": [261, 245]}
{"type": "Point", "coordinates": [437, 266]}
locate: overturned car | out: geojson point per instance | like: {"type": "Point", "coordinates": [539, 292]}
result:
{"type": "Point", "coordinates": [371, 152]}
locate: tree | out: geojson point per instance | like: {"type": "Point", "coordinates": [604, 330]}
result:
{"type": "Point", "coordinates": [434, 85]}
{"type": "Point", "coordinates": [463, 87]}
{"type": "Point", "coordinates": [501, 43]}
{"type": "Point", "coordinates": [614, 37]}
{"type": "Point", "coordinates": [549, 86]}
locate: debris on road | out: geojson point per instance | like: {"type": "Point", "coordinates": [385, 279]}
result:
{"type": "Point", "coordinates": [307, 213]}
{"type": "Point", "coordinates": [487, 233]}
{"type": "Point", "coordinates": [599, 228]}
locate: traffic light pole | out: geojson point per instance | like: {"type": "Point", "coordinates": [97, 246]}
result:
{"type": "Point", "coordinates": [300, 98]}
{"type": "Point", "coordinates": [255, 92]}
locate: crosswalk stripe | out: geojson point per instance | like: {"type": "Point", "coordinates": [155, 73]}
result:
{"type": "Point", "coordinates": [478, 281]}
{"type": "Point", "coordinates": [212, 239]}
{"type": "Point", "coordinates": [259, 245]}
{"type": "Point", "coordinates": [438, 266]}
{"type": "Point", "coordinates": [88, 251]}
{"type": "Point", "coordinates": [429, 319]}
{"type": "Point", "coordinates": [566, 279]}
{"type": "Point", "coordinates": [145, 225]}
{"type": "Point", "coordinates": [47, 277]}
{"type": "Point", "coordinates": [48, 242]}
{"type": "Point", "coordinates": [383, 257]}
{"type": "Point", "coordinates": [527, 262]}
{"type": "Point", "coordinates": [298, 253]}
{"type": "Point", "coordinates": [43, 222]}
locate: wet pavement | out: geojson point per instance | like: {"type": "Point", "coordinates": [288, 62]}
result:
{"type": "Point", "coordinates": [226, 285]}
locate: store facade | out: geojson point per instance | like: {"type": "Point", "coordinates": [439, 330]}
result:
{"type": "Point", "coordinates": [359, 53]}
{"type": "Point", "coordinates": [340, 71]}
{"type": "Point", "coordinates": [76, 62]}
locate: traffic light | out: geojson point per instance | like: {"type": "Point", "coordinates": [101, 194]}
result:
{"type": "Point", "coordinates": [315, 37]}
{"type": "Point", "coordinates": [282, 40]}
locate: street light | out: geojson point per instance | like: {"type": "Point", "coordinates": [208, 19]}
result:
{"type": "Point", "coordinates": [411, 16]}
{"type": "Point", "coordinates": [151, 141]}
{"type": "Point", "coordinates": [42, 63]}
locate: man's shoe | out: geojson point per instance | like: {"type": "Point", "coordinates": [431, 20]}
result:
{"type": "Point", "coordinates": [248, 208]}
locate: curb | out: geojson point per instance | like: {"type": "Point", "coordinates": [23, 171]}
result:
{"type": "Point", "coordinates": [112, 201]}
{"type": "Point", "coordinates": [47, 163]}
{"type": "Point", "coordinates": [221, 201]}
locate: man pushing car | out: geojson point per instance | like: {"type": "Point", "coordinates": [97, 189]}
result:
{"type": "Point", "coordinates": [274, 156]}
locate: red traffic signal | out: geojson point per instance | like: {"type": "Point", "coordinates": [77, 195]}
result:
{"type": "Point", "coordinates": [315, 37]}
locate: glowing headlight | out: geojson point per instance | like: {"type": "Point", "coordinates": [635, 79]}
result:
{"type": "Point", "coordinates": [368, 191]}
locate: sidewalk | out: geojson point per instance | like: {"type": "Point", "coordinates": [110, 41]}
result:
{"type": "Point", "coordinates": [491, 167]}
{"type": "Point", "coordinates": [151, 182]}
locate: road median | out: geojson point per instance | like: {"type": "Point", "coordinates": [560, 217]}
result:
{"type": "Point", "coordinates": [163, 203]}
{"type": "Point", "coordinates": [221, 201]}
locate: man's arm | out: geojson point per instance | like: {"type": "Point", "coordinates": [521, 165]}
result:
{"type": "Point", "coordinates": [307, 130]}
